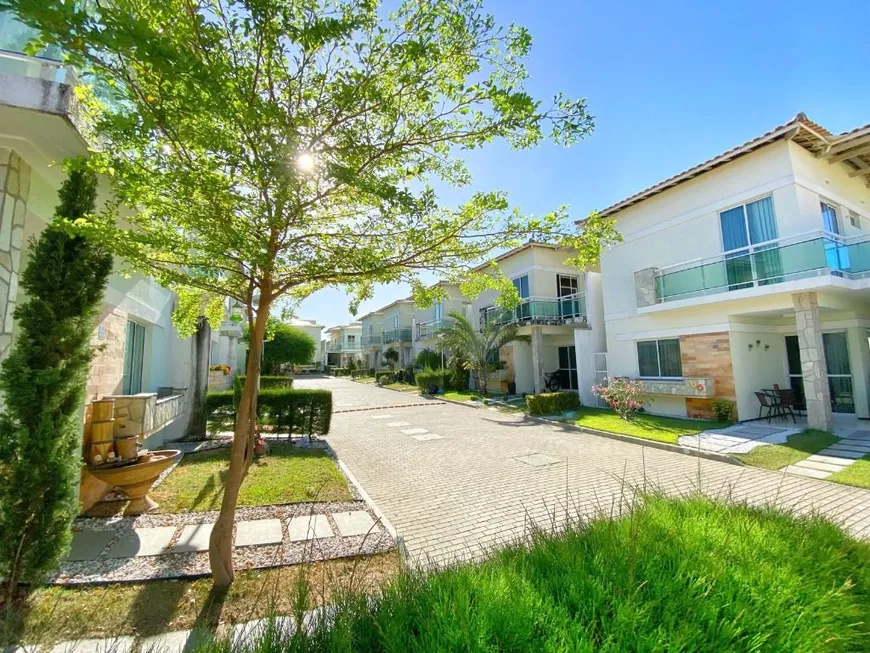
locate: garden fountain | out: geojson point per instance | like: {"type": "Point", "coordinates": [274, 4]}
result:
{"type": "Point", "coordinates": [136, 478]}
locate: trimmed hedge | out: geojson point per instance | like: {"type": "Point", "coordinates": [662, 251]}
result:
{"type": "Point", "coordinates": [549, 403]}
{"type": "Point", "coordinates": [341, 371]}
{"type": "Point", "coordinates": [388, 377]}
{"type": "Point", "coordinates": [429, 379]}
{"type": "Point", "coordinates": [267, 381]}
{"type": "Point", "coordinates": [291, 412]}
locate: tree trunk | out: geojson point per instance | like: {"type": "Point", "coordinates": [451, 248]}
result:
{"type": "Point", "coordinates": [220, 550]}
{"type": "Point", "coordinates": [482, 381]}
{"type": "Point", "coordinates": [196, 427]}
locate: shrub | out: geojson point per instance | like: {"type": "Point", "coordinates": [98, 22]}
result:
{"type": "Point", "coordinates": [371, 371]}
{"type": "Point", "coordinates": [43, 380]}
{"type": "Point", "coordinates": [549, 403]}
{"type": "Point", "coordinates": [457, 378]}
{"type": "Point", "coordinates": [341, 371]}
{"type": "Point", "coordinates": [623, 395]}
{"type": "Point", "coordinates": [428, 358]}
{"type": "Point", "coordinates": [267, 381]}
{"type": "Point", "coordinates": [384, 378]}
{"type": "Point", "coordinates": [293, 412]}
{"type": "Point", "coordinates": [392, 357]}
{"type": "Point", "coordinates": [220, 368]}
{"type": "Point", "coordinates": [724, 410]}
{"type": "Point", "coordinates": [288, 345]}
{"type": "Point", "coordinates": [429, 380]}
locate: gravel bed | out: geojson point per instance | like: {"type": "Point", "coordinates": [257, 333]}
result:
{"type": "Point", "coordinates": [181, 565]}
{"type": "Point", "coordinates": [192, 565]}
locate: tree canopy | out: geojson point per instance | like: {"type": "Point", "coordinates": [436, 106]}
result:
{"type": "Point", "coordinates": [266, 149]}
{"type": "Point", "coordinates": [289, 344]}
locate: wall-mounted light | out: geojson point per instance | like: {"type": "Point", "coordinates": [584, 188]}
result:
{"type": "Point", "coordinates": [766, 347]}
{"type": "Point", "coordinates": [750, 346]}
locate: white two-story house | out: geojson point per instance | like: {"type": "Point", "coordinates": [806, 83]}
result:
{"type": "Point", "coordinates": [397, 323]}
{"type": "Point", "coordinates": [748, 271]}
{"type": "Point", "coordinates": [372, 325]}
{"type": "Point", "coordinates": [427, 322]}
{"type": "Point", "coordinates": [560, 314]}
{"type": "Point", "coordinates": [343, 344]}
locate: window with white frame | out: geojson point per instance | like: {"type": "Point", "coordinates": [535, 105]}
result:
{"type": "Point", "coordinates": [351, 340]}
{"type": "Point", "coordinates": [438, 311]}
{"type": "Point", "coordinates": [395, 321]}
{"type": "Point", "coordinates": [830, 218]}
{"type": "Point", "coordinates": [134, 358]}
{"type": "Point", "coordinates": [854, 220]}
{"type": "Point", "coordinates": [567, 285]}
{"type": "Point", "coordinates": [659, 359]}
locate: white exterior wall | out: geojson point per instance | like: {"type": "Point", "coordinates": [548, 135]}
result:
{"type": "Point", "coordinates": [682, 224]}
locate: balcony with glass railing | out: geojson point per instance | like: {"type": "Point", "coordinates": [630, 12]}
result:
{"type": "Point", "coordinates": [372, 340]}
{"type": "Point", "coordinates": [430, 329]}
{"type": "Point", "coordinates": [570, 309]}
{"type": "Point", "coordinates": [809, 255]}
{"type": "Point", "coordinates": [397, 335]}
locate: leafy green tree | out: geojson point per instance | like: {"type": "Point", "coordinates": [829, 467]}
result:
{"type": "Point", "coordinates": [428, 358]}
{"type": "Point", "coordinates": [43, 381]}
{"type": "Point", "coordinates": [392, 357]}
{"type": "Point", "coordinates": [275, 147]}
{"type": "Point", "coordinates": [289, 344]}
{"type": "Point", "coordinates": [476, 349]}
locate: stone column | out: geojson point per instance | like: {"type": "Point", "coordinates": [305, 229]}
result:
{"type": "Point", "coordinates": [812, 351]}
{"type": "Point", "coordinates": [645, 287]}
{"type": "Point", "coordinates": [14, 193]}
{"type": "Point", "coordinates": [538, 358]}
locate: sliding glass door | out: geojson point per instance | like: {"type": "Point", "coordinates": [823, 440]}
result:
{"type": "Point", "coordinates": [839, 372]}
{"type": "Point", "coordinates": [743, 227]}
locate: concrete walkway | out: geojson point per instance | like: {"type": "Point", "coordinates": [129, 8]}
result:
{"type": "Point", "coordinates": [455, 481]}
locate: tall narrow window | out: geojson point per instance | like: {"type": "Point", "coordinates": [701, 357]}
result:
{"type": "Point", "coordinates": [524, 309]}
{"type": "Point", "coordinates": [568, 368]}
{"type": "Point", "coordinates": [438, 311]}
{"type": "Point", "coordinates": [395, 321]}
{"type": "Point", "coordinates": [134, 355]}
{"type": "Point", "coordinates": [830, 222]}
{"type": "Point", "coordinates": [743, 227]}
{"type": "Point", "coordinates": [568, 286]}
{"type": "Point", "coordinates": [836, 254]}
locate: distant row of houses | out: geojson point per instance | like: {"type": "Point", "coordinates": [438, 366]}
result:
{"type": "Point", "coordinates": [745, 273]}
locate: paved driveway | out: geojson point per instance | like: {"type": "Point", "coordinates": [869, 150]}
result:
{"type": "Point", "coordinates": [489, 476]}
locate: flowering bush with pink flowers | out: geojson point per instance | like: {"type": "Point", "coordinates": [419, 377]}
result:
{"type": "Point", "coordinates": [623, 395]}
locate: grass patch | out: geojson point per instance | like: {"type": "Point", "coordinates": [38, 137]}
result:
{"type": "Point", "coordinates": [642, 425]}
{"type": "Point", "coordinates": [286, 475]}
{"type": "Point", "coordinates": [364, 379]}
{"type": "Point", "coordinates": [463, 395]}
{"type": "Point", "coordinates": [53, 614]}
{"type": "Point", "coordinates": [677, 575]}
{"type": "Point", "coordinates": [404, 387]}
{"type": "Point", "coordinates": [799, 446]}
{"type": "Point", "coordinates": [857, 474]}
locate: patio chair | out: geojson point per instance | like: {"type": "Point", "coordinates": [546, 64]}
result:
{"type": "Point", "coordinates": [767, 402]}
{"type": "Point", "coordinates": [787, 402]}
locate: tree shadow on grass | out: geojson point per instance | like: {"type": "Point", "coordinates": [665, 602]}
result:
{"type": "Point", "coordinates": [156, 604]}
{"type": "Point", "coordinates": [209, 495]}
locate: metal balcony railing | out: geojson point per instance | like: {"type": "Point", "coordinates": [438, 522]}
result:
{"type": "Point", "coordinates": [369, 341]}
{"type": "Point", "coordinates": [812, 254]}
{"type": "Point", "coordinates": [570, 309]}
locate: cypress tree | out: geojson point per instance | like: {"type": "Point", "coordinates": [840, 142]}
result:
{"type": "Point", "coordinates": [43, 382]}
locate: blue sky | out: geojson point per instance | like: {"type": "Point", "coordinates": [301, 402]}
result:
{"type": "Point", "coordinates": [670, 84]}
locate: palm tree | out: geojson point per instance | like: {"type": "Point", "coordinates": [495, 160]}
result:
{"type": "Point", "coordinates": [475, 348]}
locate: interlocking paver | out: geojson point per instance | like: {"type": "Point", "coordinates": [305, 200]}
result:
{"type": "Point", "coordinates": [398, 424]}
{"type": "Point", "coordinates": [468, 492]}
{"type": "Point", "coordinates": [308, 527]}
{"type": "Point", "coordinates": [414, 431]}
{"type": "Point", "coordinates": [539, 460]}
{"type": "Point", "coordinates": [141, 542]}
{"type": "Point", "coordinates": [87, 545]}
{"type": "Point", "coordinates": [425, 437]}
{"type": "Point", "coordinates": [258, 532]}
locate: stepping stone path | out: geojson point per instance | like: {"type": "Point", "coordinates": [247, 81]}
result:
{"type": "Point", "coordinates": [835, 458]}
{"type": "Point", "coordinates": [258, 532]}
{"type": "Point", "coordinates": [358, 522]}
{"type": "Point", "coordinates": [87, 545]}
{"type": "Point", "coordinates": [310, 527]}
{"type": "Point", "coordinates": [194, 537]}
{"type": "Point", "coordinates": [142, 542]}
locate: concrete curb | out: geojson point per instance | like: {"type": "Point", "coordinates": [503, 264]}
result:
{"type": "Point", "coordinates": [664, 446]}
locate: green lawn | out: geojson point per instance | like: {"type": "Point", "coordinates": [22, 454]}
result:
{"type": "Point", "coordinates": [462, 395]}
{"type": "Point", "coordinates": [286, 475]}
{"type": "Point", "coordinates": [799, 446]}
{"type": "Point", "coordinates": [858, 474]}
{"type": "Point", "coordinates": [404, 387]}
{"type": "Point", "coordinates": [678, 575]}
{"type": "Point", "coordinates": [642, 425]}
